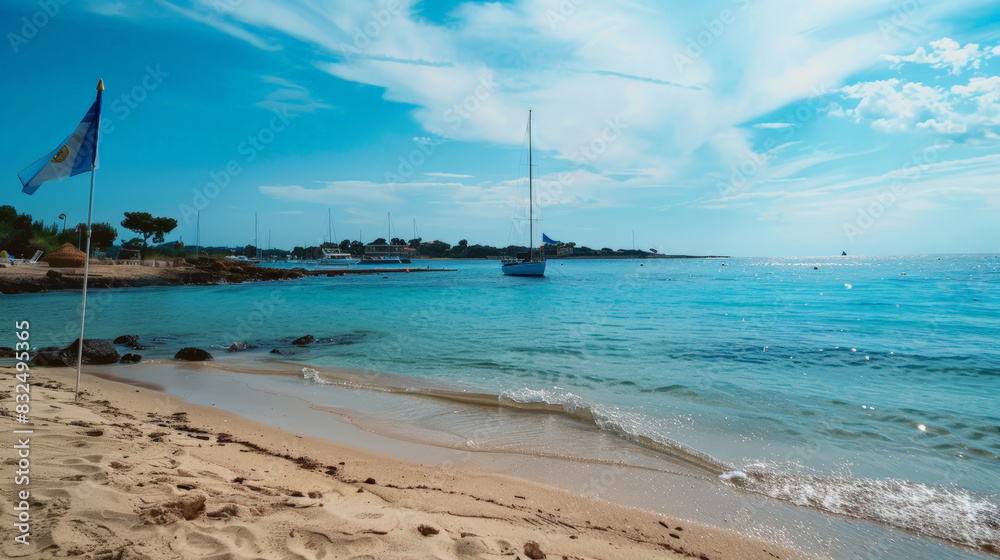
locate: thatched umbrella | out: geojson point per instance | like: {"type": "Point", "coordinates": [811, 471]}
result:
{"type": "Point", "coordinates": [67, 256]}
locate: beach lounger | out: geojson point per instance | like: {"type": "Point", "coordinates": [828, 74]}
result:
{"type": "Point", "coordinates": [32, 260]}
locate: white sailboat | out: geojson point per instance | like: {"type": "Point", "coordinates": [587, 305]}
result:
{"type": "Point", "coordinates": [332, 256]}
{"type": "Point", "coordinates": [384, 254]}
{"type": "Point", "coordinates": [527, 264]}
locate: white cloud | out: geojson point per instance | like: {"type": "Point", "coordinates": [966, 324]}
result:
{"type": "Point", "coordinates": [212, 18]}
{"type": "Point", "coordinates": [894, 105]}
{"type": "Point", "coordinates": [946, 54]}
{"type": "Point", "coordinates": [290, 97]}
{"type": "Point", "coordinates": [343, 192]}
{"type": "Point", "coordinates": [473, 78]}
{"type": "Point", "coordinates": [455, 175]}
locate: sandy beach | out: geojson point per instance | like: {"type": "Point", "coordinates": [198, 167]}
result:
{"type": "Point", "coordinates": [127, 472]}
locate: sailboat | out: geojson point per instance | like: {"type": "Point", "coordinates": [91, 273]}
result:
{"type": "Point", "coordinates": [384, 254]}
{"type": "Point", "coordinates": [332, 256]}
{"type": "Point", "coordinates": [527, 264]}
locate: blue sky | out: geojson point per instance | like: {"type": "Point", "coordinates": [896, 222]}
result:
{"type": "Point", "coordinates": [742, 127]}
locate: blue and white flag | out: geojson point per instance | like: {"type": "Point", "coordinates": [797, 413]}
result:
{"type": "Point", "coordinates": [76, 154]}
{"type": "Point", "coordinates": [547, 240]}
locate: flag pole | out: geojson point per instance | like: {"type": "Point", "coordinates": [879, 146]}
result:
{"type": "Point", "coordinates": [86, 271]}
{"type": "Point", "coordinates": [86, 257]}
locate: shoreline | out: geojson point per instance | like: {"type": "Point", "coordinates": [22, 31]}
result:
{"type": "Point", "coordinates": [169, 478]}
{"type": "Point", "coordinates": [39, 277]}
{"type": "Point", "coordinates": [538, 438]}
{"type": "Point", "coordinates": [360, 418]}
{"type": "Point", "coordinates": [33, 278]}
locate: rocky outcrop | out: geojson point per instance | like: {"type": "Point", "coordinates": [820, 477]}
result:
{"type": "Point", "coordinates": [95, 351]}
{"type": "Point", "coordinates": [7, 352]}
{"type": "Point", "coordinates": [192, 354]}
{"type": "Point", "coordinates": [206, 272]}
{"type": "Point", "coordinates": [240, 346]}
{"type": "Point", "coordinates": [130, 340]}
{"type": "Point", "coordinates": [130, 359]}
{"type": "Point", "coordinates": [304, 340]}
{"type": "Point", "coordinates": [51, 356]}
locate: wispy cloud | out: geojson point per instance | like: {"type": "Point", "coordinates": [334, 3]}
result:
{"type": "Point", "coordinates": [947, 54]}
{"type": "Point", "coordinates": [212, 18]}
{"type": "Point", "coordinates": [290, 97]}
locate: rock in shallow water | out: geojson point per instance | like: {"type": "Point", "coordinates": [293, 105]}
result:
{"type": "Point", "coordinates": [50, 356]}
{"type": "Point", "coordinates": [192, 354]}
{"type": "Point", "coordinates": [95, 351]}
{"type": "Point", "coordinates": [304, 340]}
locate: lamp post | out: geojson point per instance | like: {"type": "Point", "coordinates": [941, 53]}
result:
{"type": "Point", "coordinates": [63, 218]}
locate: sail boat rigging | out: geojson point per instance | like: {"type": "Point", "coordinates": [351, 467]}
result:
{"type": "Point", "coordinates": [527, 264]}
{"type": "Point", "coordinates": [332, 256]}
{"type": "Point", "coordinates": [384, 254]}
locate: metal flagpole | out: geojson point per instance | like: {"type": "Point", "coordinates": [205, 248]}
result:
{"type": "Point", "coordinates": [86, 271]}
{"type": "Point", "coordinates": [86, 257]}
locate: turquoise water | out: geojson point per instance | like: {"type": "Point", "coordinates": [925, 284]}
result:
{"type": "Point", "coordinates": [858, 386]}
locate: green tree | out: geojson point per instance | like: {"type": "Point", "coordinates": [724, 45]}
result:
{"type": "Point", "coordinates": [148, 226]}
{"type": "Point", "coordinates": [15, 231]}
{"type": "Point", "coordinates": [134, 243]}
{"type": "Point", "coordinates": [345, 246]}
{"type": "Point", "coordinates": [7, 216]}
{"type": "Point", "coordinates": [101, 240]}
{"type": "Point", "coordinates": [435, 248]}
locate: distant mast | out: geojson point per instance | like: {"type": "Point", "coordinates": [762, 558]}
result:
{"type": "Point", "coordinates": [332, 230]}
{"type": "Point", "coordinates": [197, 236]}
{"type": "Point", "coordinates": [531, 197]}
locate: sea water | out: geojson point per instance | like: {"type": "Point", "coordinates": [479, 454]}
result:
{"type": "Point", "coordinates": [859, 386]}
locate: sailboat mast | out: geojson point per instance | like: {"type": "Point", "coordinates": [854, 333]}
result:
{"type": "Point", "coordinates": [531, 196]}
{"type": "Point", "coordinates": [197, 236]}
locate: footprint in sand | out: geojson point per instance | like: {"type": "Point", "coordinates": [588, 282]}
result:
{"type": "Point", "coordinates": [78, 465]}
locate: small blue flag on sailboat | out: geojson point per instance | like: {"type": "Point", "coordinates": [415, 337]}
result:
{"type": "Point", "coordinates": [549, 241]}
{"type": "Point", "coordinates": [74, 155]}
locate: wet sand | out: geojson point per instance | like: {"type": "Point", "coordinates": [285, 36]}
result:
{"type": "Point", "coordinates": [127, 472]}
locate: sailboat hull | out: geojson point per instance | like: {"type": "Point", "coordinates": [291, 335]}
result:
{"type": "Point", "coordinates": [524, 268]}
